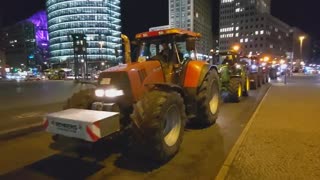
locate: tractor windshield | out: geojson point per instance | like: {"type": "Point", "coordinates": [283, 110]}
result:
{"type": "Point", "coordinates": [227, 58]}
{"type": "Point", "coordinates": [165, 50]}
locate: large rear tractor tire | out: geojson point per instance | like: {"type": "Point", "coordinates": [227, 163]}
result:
{"type": "Point", "coordinates": [273, 74]}
{"type": "Point", "coordinates": [254, 84]}
{"type": "Point", "coordinates": [80, 100]}
{"type": "Point", "coordinates": [263, 78]}
{"type": "Point", "coordinates": [246, 88]}
{"type": "Point", "coordinates": [208, 100]}
{"type": "Point", "coordinates": [159, 121]}
{"type": "Point", "coordinates": [266, 76]}
{"type": "Point", "coordinates": [259, 80]}
{"type": "Point", "coordinates": [235, 90]}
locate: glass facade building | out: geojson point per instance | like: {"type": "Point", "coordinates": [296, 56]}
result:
{"type": "Point", "coordinates": [194, 15]}
{"type": "Point", "coordinates": [98, 20]}
{"type": "Point", "coordinates": [40, 22]}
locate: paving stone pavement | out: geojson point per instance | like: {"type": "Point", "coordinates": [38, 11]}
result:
{"type": "Point", "coordinates": [283, 141]}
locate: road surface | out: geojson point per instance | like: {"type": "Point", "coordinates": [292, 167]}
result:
{"type": "Point", "coordinates": [22, 103]}
{"type": "Point", "coordinates": [22, 94]}
{"type": "Point", "coordinates": [201, 155]}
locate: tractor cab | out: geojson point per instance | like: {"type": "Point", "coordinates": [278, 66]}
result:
{"type": "Point", "coordinates": [172, 47]}
{"type": "Point", "coordinates": [252, 63]}
{"type": "Point", "coordinates": [227, 57]}
{"type": "Point", "coordinates": [231, 60]}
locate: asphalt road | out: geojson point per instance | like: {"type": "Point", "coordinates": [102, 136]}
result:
{"type": "Point", "coordinates": [15, 94]}
{"type": "Point", "coordinates": [202, 153]}
{"type": "Point", "coordinates": [26, 102]}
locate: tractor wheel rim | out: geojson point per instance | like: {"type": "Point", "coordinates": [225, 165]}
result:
{"type": "Point", "coordinates": [214, 103]}
{"type": "Point", "coordinates": [239, 90]}
{"type": "Point", "coordinates": [172, 125]}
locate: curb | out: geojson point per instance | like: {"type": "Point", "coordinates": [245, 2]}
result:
{"type": "Point", "coordinates": [12, 133]}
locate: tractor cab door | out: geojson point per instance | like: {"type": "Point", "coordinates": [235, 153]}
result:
{"type": "Point", "coordinates": [153, 51]}
{"type": "Point", "coordinates": [170, 54]}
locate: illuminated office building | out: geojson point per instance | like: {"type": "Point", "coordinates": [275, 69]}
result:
{"type": "Point", "coordinates": [98, 20]}
{"type": "Point", "coordinates": [193, 15]}
{"type": "Point", "coordinates": [250, 24]}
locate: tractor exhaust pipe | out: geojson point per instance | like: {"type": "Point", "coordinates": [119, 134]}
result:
{"type": "Point", "coordinates": [127, 49]}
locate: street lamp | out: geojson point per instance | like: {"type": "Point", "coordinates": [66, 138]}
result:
{"type": "Point", "coordinates": [236, 48]}
{"type": "Point", "coordinates": [301, 38]}
{"type": "Point", "coordinates": [266, 58]}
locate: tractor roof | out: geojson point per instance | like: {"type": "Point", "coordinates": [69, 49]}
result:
{"type": "Point", "coordinates": [228, 52]}
{"type": "Point", "coordinates": [167, 32]}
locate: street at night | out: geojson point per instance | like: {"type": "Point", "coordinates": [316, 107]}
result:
{"type": "Point", "coordinates": [34, 93]}
{"type": "Point", "coordinates": [174, 89]}
{"type": "Point", "coordinates": [283, 122]}
{"type": "Point", "coordinates": [201, 156]}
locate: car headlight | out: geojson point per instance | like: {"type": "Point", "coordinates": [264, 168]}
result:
{"type": "Point", "coordinates": [109, 93]}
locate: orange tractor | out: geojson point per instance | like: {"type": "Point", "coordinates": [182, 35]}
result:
{"type": "Point", "coordinates": [153, 97]}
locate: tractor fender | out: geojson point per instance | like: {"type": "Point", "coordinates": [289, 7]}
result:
{"type": "Point", "coordinates": [195, 73]}
{"type": "Point", "coordinates": [168, 87]}
{"type": "Point", "coordinates": [204, 72]}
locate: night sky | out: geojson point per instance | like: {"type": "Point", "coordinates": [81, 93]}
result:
{"type": "Point", "coordinates": [139, 15]}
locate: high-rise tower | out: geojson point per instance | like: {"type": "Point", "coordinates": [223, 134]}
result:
{"type": "Point", "coordinates": [98, 20]}
{"type": "Point", "coordinates": [194, 15]}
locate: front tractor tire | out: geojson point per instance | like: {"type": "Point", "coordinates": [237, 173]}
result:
{"type": "Point", "coordinates": [254, 84]}
{"type": "Point", "coordinates": [80, 100]}
{"type": "Point", "coordinates": [208, 100]}
{"type": "Point", "coordinates": [159, 120]}
{"type": "Point", "coordinates": [235, 90]}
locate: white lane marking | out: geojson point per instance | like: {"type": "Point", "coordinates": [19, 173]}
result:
{"type": "Point", "coordinates": [29, 115]}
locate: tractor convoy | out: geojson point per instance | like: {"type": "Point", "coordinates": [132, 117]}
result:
{"type": "Point", "coordinates": [154, 95]}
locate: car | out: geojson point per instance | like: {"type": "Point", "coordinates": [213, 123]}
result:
{"type": "Point", "coordinates": [70, 77]}
{"type": "Point", "coordinates": [32, 78]}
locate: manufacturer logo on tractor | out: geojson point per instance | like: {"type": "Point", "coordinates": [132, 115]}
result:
{"type": "Point", "coordinates": [67, 127]}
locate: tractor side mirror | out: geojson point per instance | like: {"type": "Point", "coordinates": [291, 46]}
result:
{"type": "Point", "coordinates": [190, 44]}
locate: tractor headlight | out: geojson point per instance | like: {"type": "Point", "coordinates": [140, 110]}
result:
{"type": "Point", "coordinates": [99, 92]}
{"type": "Point", "coordinates": [254, 67]}
{"type": "Point", "coordinates": [109, 93]}
{"type": "Point", "coordinates": [113, 93]}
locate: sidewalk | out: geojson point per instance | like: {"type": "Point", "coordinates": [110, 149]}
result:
{"type": "Point", "coordinates": [282, 139]}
